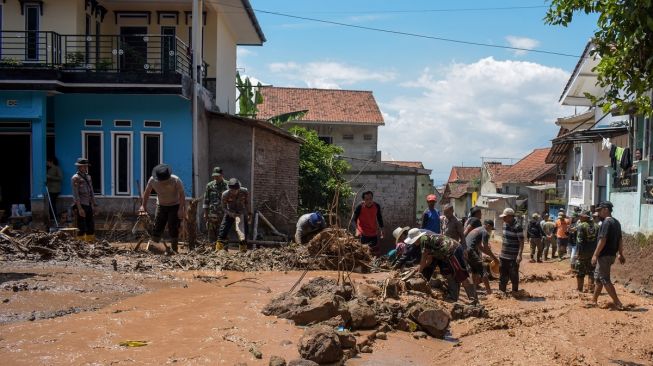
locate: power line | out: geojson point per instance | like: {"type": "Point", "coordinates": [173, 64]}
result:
{"type": "Point", "coordinates": [445, 10]}
{"type": "Point", "coordinates": [408, 34]}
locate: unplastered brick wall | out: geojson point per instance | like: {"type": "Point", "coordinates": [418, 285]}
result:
{"type": "Point", "coordinates": [276, 179]}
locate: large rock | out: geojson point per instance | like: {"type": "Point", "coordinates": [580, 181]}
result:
{"type": "Point", "coordinates": [320, 285]}
{"type": "Point", "coordinates": [362, 315]}
{"type": "Point", "coordinates": [301, 362]}
{"type": "Point", "coordinates": [367, 290]}
{"type": "Point", "coordinates": [434, 321]}
{"type": "Point", "coordinates": [277, 361]}
{"type": "Point", "coordinates": [347, 340]}
{"type": "Point", "coordinates": [320, 344]}
{"type": "Point", "coordinates": [318, 309]}
{"type": "Point", "coordinates": [418, 284]}
{"type": "Point", "coordinates": [284, 303]}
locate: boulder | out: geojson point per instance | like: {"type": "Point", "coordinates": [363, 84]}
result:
{"type": "Point", "coordinates": [320, 344]}
{"type": "Point", "coordinates": [302, 362]}
{"type": "Point", "coordinates": [277, 361]}
{"type": "Point", "coordinates": [362, 315]}
{"type": "Point", "coordinates": [434, 321]}
{"type": "Point", "coordinates": [347, 340]}
{"type": "Point", "coordinates": [418, 284]}
{"type": "Point", "coordinates": [283, 304]}
{"type": "Point", "coordinates": [367, 290]}
{"type": "Point", "coordinates": [319, 309]}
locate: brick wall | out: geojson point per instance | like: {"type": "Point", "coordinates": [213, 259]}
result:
{"type": "Point", "coordinates": [276, 179]}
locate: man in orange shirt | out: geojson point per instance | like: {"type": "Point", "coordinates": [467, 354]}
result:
{"type": "Point", "coordinates": [369, 222]}
{"type": "Point", "coordinates": [562, 235]}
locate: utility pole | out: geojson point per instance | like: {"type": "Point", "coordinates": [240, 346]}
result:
{"type": "Point", "coordinates": [196, 74]}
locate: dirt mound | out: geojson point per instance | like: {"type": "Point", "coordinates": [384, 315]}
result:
{"type": "Point", "coordinates": [541, 277]}
{"type": "Point", "coordinates": [337, 249]}
{"type": "Point", "coordinates": [51, 246]}
{"type": "Point", "coordinates": [638, 250]}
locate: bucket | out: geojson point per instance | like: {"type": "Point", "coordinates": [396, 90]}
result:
{"type": "Point", "coordinates": [494, 268]}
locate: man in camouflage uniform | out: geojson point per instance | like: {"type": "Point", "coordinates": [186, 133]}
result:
{"type": "Point", "coordinates": [444, 250]}
{"type": "Point", "coordinates": [235, 202]}
{"type": "Point", "coordinates": [212, 206]}
{"type": "Point", "coordinates": [586, 235]}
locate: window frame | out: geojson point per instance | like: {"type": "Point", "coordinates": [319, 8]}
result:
{"type": "Point", "coordinates": [146, 175]}
{"type": "Point", "coordinates": [151, 120]}
{"type": "Point", "coordinates": [114, 163]}
{"type": "Point", "coordinates": [115, 123]}
{"type": "Point", "coordinates": [85, 133]}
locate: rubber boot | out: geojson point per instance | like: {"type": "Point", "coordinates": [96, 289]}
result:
{"type": "Point", "coordinates": [219, 245]}
{"type": "Point", "coordinates": [242, 246]}
{"type": "Point", "coordinates": [80, 237]}
{"type": "Point", "coordinates": [90, 238]}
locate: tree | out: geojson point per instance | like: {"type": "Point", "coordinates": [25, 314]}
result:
{"type": "Point", "coordinates": [624, 41]}
{"type": "Point", "coordinates": [322, 185]}
{"type": "Point", "coordinates": [249, 97]}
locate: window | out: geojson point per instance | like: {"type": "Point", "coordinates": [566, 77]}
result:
{"type": "Point", "coordinates": [326, 139]}
{"type": "Point", "coordinates": [122, 123]}
{"type": "Point", "coordinates": [122, 158]}
{"type": "Point", "coordinates": [92, 144]}
{"type": "Point", "coordinates": [152, 124]}
{"type": "Point", "coordinates": [32, 28]}
{"type": "Point", "coordinates": [368, 137]}
{"type": "Point", "coordinates": [152, 153]}
{"type": "Point", "coordinates": [93, 123]}
{"type": "Point", "coordinates": [347, 137]}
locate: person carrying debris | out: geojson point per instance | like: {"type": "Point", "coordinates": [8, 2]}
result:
{"type": "Point", "coordinates": [84, 204]}
{"type": "Point", "coordinates": [212, 205]}
{"type": "Point", "coordinates": [431, 216]}
{"type": "Point", "coordinates": [369, 222]}
{"type": "Point", "coordinates": [235, 202]}
{"type": "Point", "coordinates": [534, 233]}
{"type": "Point", "coordinates": [478, 241]}
{"type": "Point", "coordinates": [439, 248]}
{"type": "Point", "coordinates": [451, 226]}
{"type": "Point", "coordinates": [308, 226]}
{"type": "Point", "coordinates": [549, 240]}
{"type": "Point", "coordinates": [511, 251]}
{"type": "Point", "coordinates": [610, 243]}
{"type": "Point", "coordinates": [562, 234]}
{"type": "Point", "coordinates": [586, 234]}
{"type": "Point", "coordinates": [170, 203]}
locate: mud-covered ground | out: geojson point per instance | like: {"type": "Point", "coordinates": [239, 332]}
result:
{"type": "Point", "coordinates": [77, 313]}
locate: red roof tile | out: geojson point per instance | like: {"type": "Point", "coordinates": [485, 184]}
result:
{"type": "Point", "coordinates": [323, 105]}
{"type": "Point", "coordinates": [530, 169]}
{"type": "Point", "coordinates": [495, 169]}
{"type": "Point", "coordinates": [464, 173]}
{"type": "Point", "coordinates": [408, 164]}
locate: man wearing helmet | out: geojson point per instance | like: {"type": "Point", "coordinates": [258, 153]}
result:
{"type": "Point", "coordinates": [308, 226]}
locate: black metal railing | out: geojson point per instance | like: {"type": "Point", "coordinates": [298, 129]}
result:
{"type": "Point", "coordinates": [104, 53]}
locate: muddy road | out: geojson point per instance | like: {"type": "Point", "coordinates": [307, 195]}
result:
{"type": "Point", "coordinates": [52, 314]}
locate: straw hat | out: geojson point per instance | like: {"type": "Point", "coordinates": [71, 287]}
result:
{"type": "Point", "coordinates": [413, 235]}
{"type": "Point", "coordinates": [396, 233]}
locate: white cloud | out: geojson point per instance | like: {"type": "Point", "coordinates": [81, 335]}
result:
{"type": "Point", "coordinates": [488, 108]}
{"type": "Point", "coordinates": [244, 52]}
{"type": "Point", "coordinates": [522, 42]}
{"type": "Point", "coordinates": [363, 18]}
{"type": "Point", "coordinates": [328, 74]}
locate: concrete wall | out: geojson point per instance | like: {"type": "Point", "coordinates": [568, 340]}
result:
{"type": "Point", "coordinates": [224, 66]}
{"type": "Point", "coordinates": [71, 110]}
{"type": "Point", "coordinates": [230, 147]}
{"type": "Point", "coordinates": [56, 17]}
{"type": "Point", "coordinates": [424, 188]}
{"type": "Point", "coordinates": [357, 147]}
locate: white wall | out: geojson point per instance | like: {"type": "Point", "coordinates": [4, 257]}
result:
{"type": "Point", "coordinates": [225, 67]}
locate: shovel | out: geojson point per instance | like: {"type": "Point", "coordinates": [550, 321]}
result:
{"type": "Point", "coordinates": [54, 214]}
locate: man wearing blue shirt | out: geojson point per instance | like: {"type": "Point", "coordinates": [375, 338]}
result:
{"type": "Point", "coordinates": [431, 217]}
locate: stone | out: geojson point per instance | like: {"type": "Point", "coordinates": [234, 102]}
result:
{"type": "Point", "coordinates": [367, 290]}
{"type": "Point", "coordinates": [392, 288]}
{"type": "Point", "coordinates": [285, 342]}
{"type": "Point", "coordinates": [320, 344]}
{"type": "Point", "coordinates": [434, 321]}
{"type": "Point", "coordinates": [418, 335]}
{"type": "Point", "coordinates": [462, 311]}
{"type": "Point", "coordinates": [385, 327]}
{"type": "Point", "coordinates": [319, 309]}
{"type": "Point", "coordinates": [277, 361]}
{"type": "Point", "coordinates": [407, 325]}
{"type": "Point", "coordinates": [349, 353]}
{"type": "Point", "coordinates": [381, 335]}
{"type": "Point", "coordinates": [366, 349]}
{"type": "Point", "coordinates": [283, 304]}
{"type": "Point", "coordinates": [347, 340]}
{"type": "Point", "coordinates": [256, 353]}
{"type": "Point", "coordinates": [362, 315]}
{"type": "Point", "coordinates": [302, 362]}
{"type": "Point", "coordinates": [418, 284]}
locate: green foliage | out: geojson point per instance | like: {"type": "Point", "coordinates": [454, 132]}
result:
{"type": "Point", "coordinates": [321, 175]}
{"type": "Point", "coordinates": [249, 97]}
{"type": "Point", "coordinates": [104, 65]}
{"type": "Point", "coordinates": [624, 41]}
{"type": "Point", "coordinates": [287, 117]}
{"type": "Point", "coordinates": [75, 59]}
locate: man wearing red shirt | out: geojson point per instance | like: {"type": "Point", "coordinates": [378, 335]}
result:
{"type": "Point", "coordinates": [369, 222]}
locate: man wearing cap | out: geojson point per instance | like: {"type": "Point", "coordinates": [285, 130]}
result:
{"type": "Point", "coordinates": [586, 236]}
{"type": "Point", "coordinates": [84, 203]}
{"type": "Point", "coordinates": [170, 203]}
{"type": "Point", "coordinates": [431, 216]}
{"type": "Point", "coordinates": [308, 226]}
{"type": "Point", "coordinates": [478, 241]}
{"type": "Point", "coordinates": [549, 240]}
{"type": "Point", "coordinates": [609, 244]}
{"type": "Point", "coordinates": [474, 220]}
{"type": "Point", "coordinates": [451, 226]}
{"type": "Point", "coordinates": [212, 205]}
{"type": "Point", "coordinates": [511, 251]}
{"type": "Point", "coordinates": [534, 233]}
{"type": "Point", "coordinates": [562, 234]}
{"type": "Point", "coordinates": [368, 221]}
{"type": "Point", "coordinates": [235, 203]}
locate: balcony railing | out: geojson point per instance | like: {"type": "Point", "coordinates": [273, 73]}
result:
{"type": "Point", "coordinates": [137, 53]}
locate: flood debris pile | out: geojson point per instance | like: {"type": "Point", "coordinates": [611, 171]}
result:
{"type": "Point", "coordinates": [51, 246]}
{"type": "Point", "coordinates": [336, 312]}
{"type": "Point", "coordinates": [337, 249]}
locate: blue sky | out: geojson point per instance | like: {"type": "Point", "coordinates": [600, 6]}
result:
{"type": "Point", "coordinates": [444, 103]}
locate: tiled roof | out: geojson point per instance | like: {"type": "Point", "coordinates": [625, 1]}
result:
{"type": "Point", "coordinates": [531, 168]}
{"type": "Point", "coordinates": [323, 105]}
{"type": "Point", "coordinates": [408, 164]}
{"type": "Point", "coordinates": [457, 190]}
{"type": "Point", "coordinates": [495, 169]}
{"type": "Point", "coordinates": [464, 173]}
